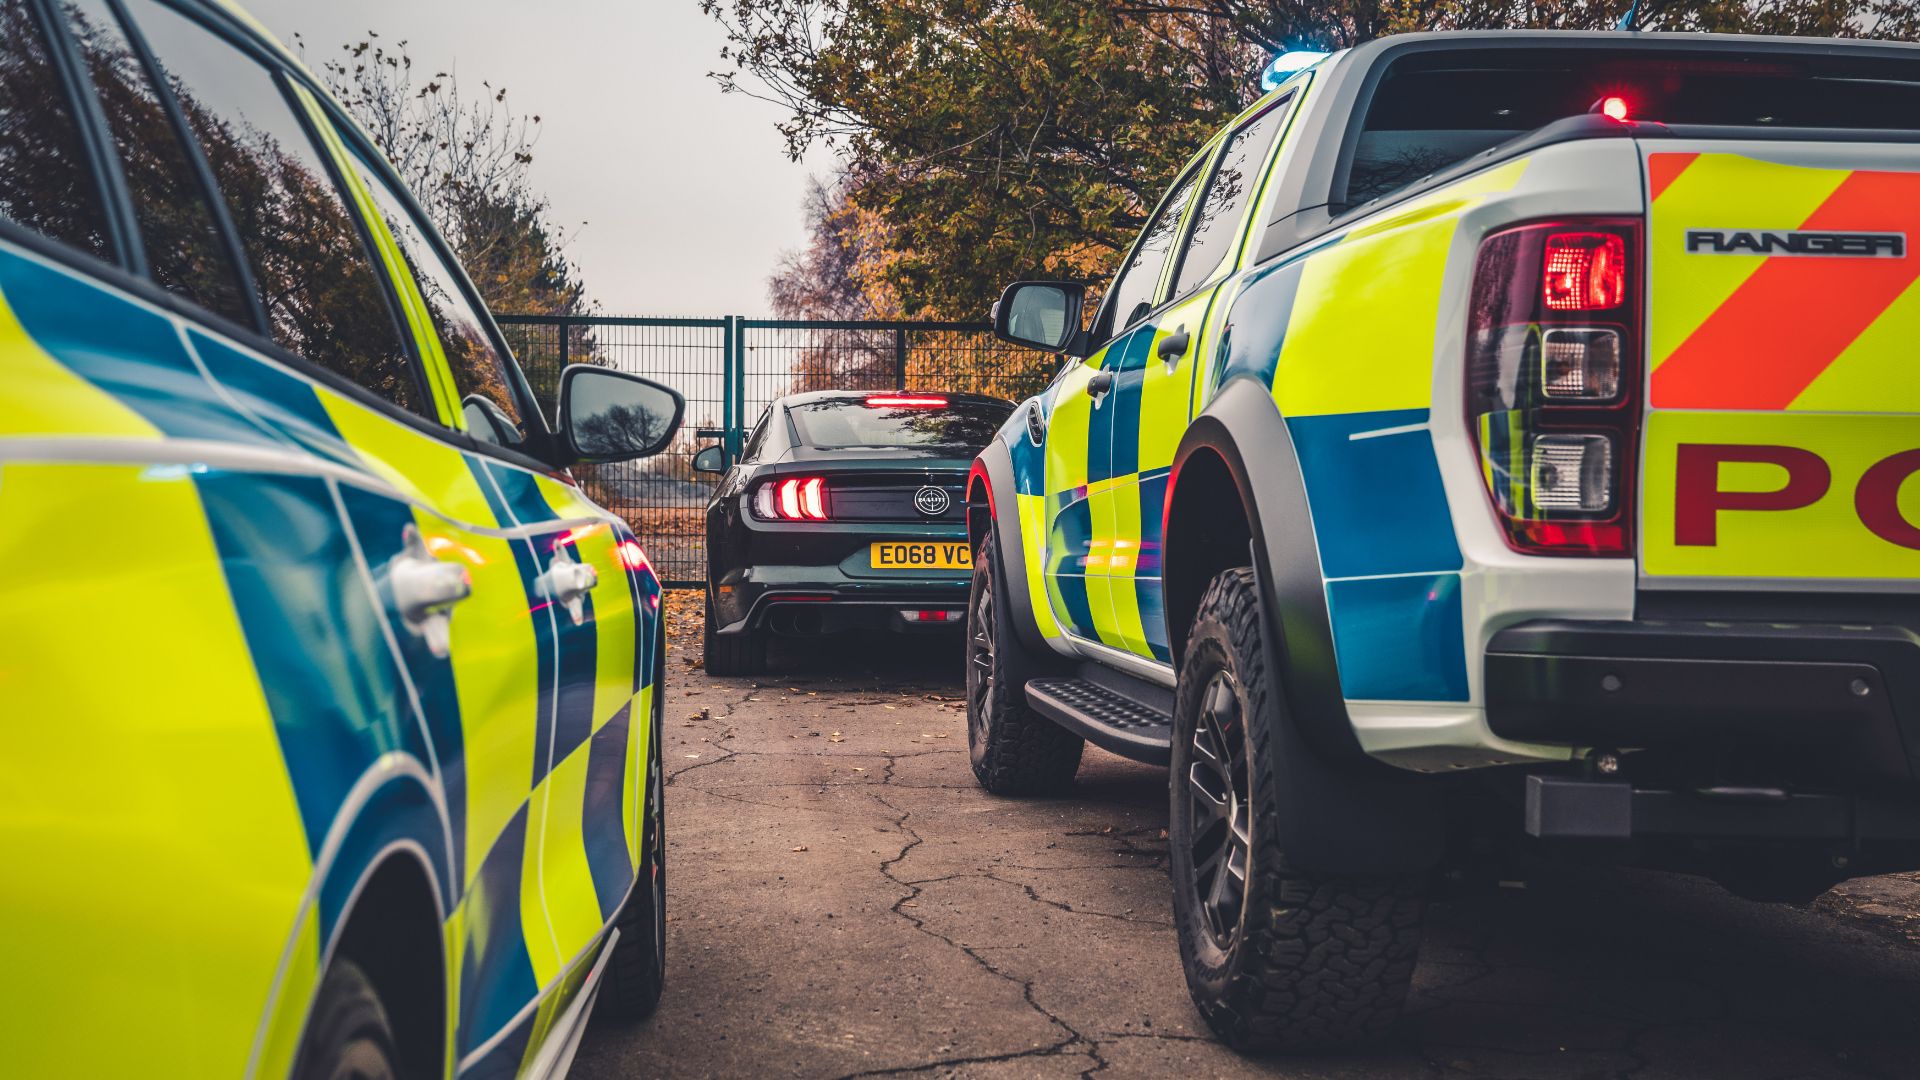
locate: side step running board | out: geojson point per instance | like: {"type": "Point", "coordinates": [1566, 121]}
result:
{"type": "Point", "coordinates": [1113, 711]}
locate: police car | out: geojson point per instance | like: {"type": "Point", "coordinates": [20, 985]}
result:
{"type": "Point", "coordinates": [331, 706]}
{"type": "Point", "coordinates": [1516, 422]}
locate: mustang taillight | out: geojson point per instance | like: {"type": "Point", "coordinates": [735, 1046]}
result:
{"type": "Point", "coordinates": [800, 498]}
{"type": "Point", "coordinates": [1552, 380]}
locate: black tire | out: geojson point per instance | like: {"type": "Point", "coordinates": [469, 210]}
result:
{"type": "Point", "coordinates": [637, 971]}
{"type": "Point", "coordinates": [744, 653]}
{"type": "Point", "coordinates": [1276, 959]}
{"type": "Point", "coordinates": [348, 1035]}
{"type": "Point", "coordinates": [1015, 750]}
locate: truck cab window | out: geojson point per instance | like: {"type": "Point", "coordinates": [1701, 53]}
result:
{"type": "Point", "coordinates": [1138, 284]}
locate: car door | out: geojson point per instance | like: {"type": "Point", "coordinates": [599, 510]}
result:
{"type": "Point", "coordinates": [591, 617]}
{"type": "Point", "coordinates": [462, 546]}
{"type": "Point", "coordinates": [1081, 542]}
{"type": "Point", "coordinates": [1154, 391]}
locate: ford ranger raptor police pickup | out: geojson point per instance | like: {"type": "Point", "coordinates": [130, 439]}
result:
{"type": "Point", "coordinates": [1488, 430]}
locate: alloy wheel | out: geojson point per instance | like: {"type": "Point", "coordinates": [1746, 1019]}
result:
{"type": "Point", "coordinates": [1221, 844]}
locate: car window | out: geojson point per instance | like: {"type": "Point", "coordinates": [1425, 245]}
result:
{"type": "Point", "coordinates": [1216, 220]}
{"type": "Point", "coordinates": [483, 376]}
{"type": "Point", "coordinates": [185, 252]}
{"type": "Point", "coordinates": [309, 260]}
{"type": "Point", "coordinates": [918, 421]}
{"type": "Point", "coordinates": [1138, 285]}
{"type": "Point", "coordinates": [45, 181]}
{"type": "Point", "coordinates": [757, 440]}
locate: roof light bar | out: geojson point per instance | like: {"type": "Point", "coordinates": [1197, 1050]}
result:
{"type": "Point", "coordinates": [1288, 64]}
{"type": "Point", "coordinates": [924, 401]}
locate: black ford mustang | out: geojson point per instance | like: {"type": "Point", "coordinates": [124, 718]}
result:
{"type": "Point", "coordinates": [846, 510]}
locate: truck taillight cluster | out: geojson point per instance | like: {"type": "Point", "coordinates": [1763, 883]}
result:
{"type": "Point", "coordinates": [1552, 382]}
{"type": "Point", "coordinates": [791, 499]}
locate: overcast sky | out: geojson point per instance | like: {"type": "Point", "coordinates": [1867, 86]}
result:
{"type": "Point", "coordinates": [687, 194]}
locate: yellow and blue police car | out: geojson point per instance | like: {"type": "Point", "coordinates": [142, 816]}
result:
{"type": "Point", "coordinates": [330, 704]}
{"type": "Point", "coordinates": [1501, 435]}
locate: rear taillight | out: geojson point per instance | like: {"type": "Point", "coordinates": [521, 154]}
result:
{"type": "Point", "coordinates": [1552, 382]}
{"type": "Point", "coordinates": [798, 498]}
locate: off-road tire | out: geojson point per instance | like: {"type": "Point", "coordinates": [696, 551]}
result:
{"type": "Point", "coordinates": [637, 971]}
{"type": "Point", "coordinates": [349, 1036]}
{"type": "Point", "coordinates": [1308, 962]}
{"type": "Point", "coordinates": [1015, 751]}
{"type": "Point", "coordinates": [744, 653]}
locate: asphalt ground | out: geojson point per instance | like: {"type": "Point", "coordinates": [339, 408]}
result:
{"type": "Point", "coordinates": [844, 902]}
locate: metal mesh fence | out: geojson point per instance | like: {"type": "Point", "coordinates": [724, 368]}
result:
{"type": "Point", "coordinates": [730, 370]}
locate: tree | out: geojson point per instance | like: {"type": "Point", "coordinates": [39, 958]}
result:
{"type": "Point", "coordinates": [997, 139]}
{"type": "Point", "coordinates": [466, 160]}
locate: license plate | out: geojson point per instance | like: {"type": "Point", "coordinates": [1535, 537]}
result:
{"type": "Point", "coordinates": [940, 556]}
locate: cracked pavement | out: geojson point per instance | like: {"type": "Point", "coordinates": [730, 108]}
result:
{"type": "Point", "coordinates": [844, 902]}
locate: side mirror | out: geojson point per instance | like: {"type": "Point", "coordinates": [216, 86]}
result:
{"type": "Point", "coordinates": [711, 460]}
{"type": "Point", "coordinates": [1040, 315]}
{"type": "Point", "coordinates": [608, 415]}
{"type": "Point", "coordinates": [488, 422]}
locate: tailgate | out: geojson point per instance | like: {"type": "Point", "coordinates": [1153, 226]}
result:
{"type": "Point", "coordinates": [1783, 321]}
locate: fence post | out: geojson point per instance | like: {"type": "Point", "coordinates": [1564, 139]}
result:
{"type": "Point", "coordinates": [728, 407]}
{"type": "Point", "coordinates": [900, 357]}
{"type": "Point", "coordinates": [564, 335]}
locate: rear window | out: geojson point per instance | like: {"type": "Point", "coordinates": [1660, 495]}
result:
{"type": "Point", "coordinates": [1432, 109]}
{"type": "Point", "coordinates": [967, 425]}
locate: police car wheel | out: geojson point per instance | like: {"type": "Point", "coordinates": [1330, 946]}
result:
{"type": "Point", "coordinates": [1275, 959]}
{"type": "Point", "coordinates": [744, 653]}
{"type": "Point", "coordinates": [1015, 750]}
{"type": "Point", "coordinates": [637, 971]}
{"type": "Point", "coordinates": [348, 1036]}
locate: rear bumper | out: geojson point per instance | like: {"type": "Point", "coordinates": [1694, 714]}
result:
{"type": "Point", "coordinates": [1745, 735]}
{"type": "Point", "coordinates": [1836, 700]}
{"type": "Point", "coordinates": [821, 600]}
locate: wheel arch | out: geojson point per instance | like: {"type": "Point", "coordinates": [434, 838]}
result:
{"type": "Point", "coordinates": [1346, 813]}
{"type": "Point", "coordinates": [992, 507]}
{"type": "Point", "coordinates": [392, 929]}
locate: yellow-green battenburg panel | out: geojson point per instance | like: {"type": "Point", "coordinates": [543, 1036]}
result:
{"type": "Point", "coordinates": [639, 738]}
{"type": "Point", "coordinates": [495, 672]}
{"type": "Point", "coordinates": [1122, 566]}
{"type": "Point", "coordinates": [43, 397]}
{"type": "Point", "coordinates": [614, 618]}
{"type": "Point", "coordinates": [1361, 337]}
{"type": "Point", "coordinates": [1104, 498]}
{"type": "Point", "coordinates": [572, 903]}
{"type": "Point", "coordinates": [281, 1040]}
{"type": "Point", "coordinates": [1033, 535]}
{"type": "Point", "coordinates": [142, 786]}
{"type": "Point", "coordinates": [543, 945]}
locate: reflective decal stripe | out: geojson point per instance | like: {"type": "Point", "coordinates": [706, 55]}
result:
{"type": "Point", "coordinates": [1663, 170]}
{"type": "Point", "coordinates": [1746, 355]}
{"type": "Point", "coordinates": [44, 397]}
{"type": "Point", "coordinates": [609, 854]}
{"type": "Point", "coordinates": [496, 969]}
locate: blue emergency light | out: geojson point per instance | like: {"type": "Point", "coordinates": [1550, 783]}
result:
{"type": "Point", "coordinates": [1285, 65]}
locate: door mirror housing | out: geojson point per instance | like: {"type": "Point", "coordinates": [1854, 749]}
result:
{"type": "Point", "coordinates": [1042, 315]}
{"type": "Point", "coordinates": [711, 460]}
{"type": "Point", "coordinates": [608, 415]}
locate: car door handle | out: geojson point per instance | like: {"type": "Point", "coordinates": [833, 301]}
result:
{"type": "Point", "coordinates": [566, 582]}
{"type": "Point", "coordinates": [1036, 424]}
{"type": "Point", "coordinates": [1100, 384]}
{"type": "Point", "coordinates": [1174, 346]}
{"type": "Point", "coordinates": [425, 590]}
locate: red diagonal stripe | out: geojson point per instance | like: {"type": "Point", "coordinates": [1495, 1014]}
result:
{"type": "Point", "coordinates": [1664, 169]}
{"type": "Point", "coordinates": [1796, 314]}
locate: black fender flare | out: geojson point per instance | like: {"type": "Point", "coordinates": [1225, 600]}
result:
{"type": "Point", "coordinates": [990, 476]}
{"type": "Point", "coordinates": [1343, 812]}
